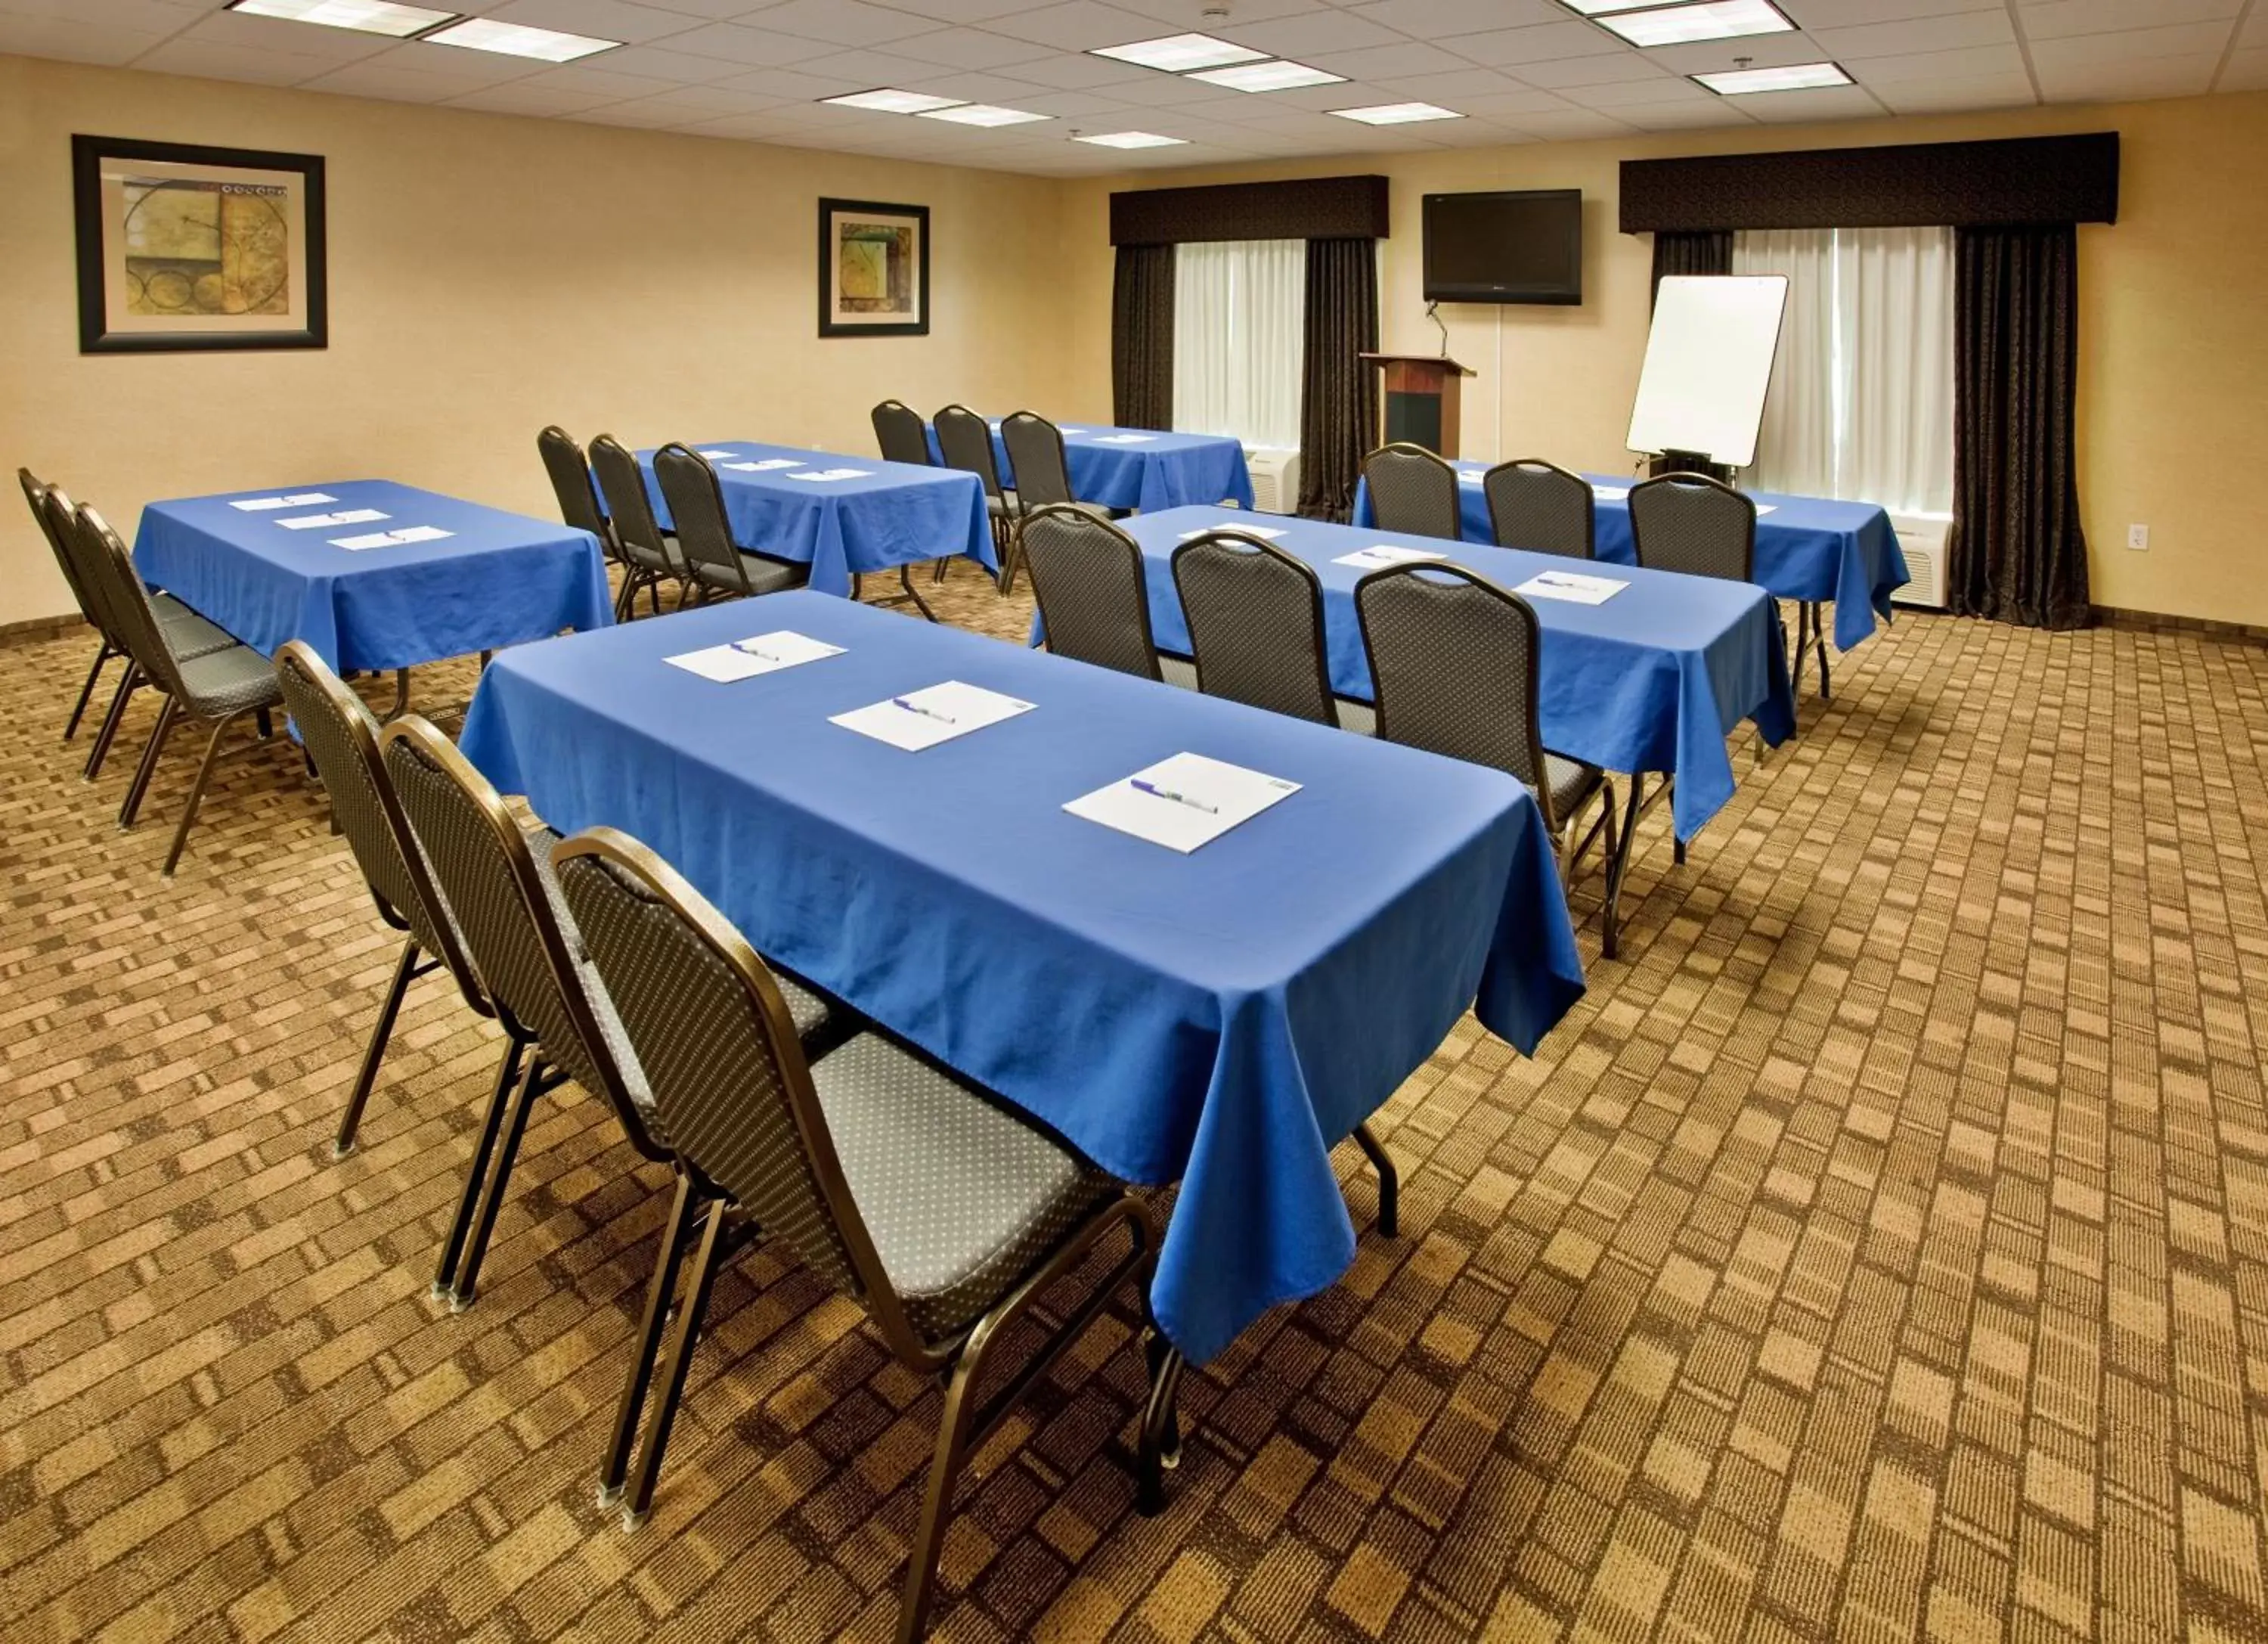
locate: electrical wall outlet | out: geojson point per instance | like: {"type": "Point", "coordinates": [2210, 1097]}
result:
{"type": "Point", "coordinates": [2137, 538]}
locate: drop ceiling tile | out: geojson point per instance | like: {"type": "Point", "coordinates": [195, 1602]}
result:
{"type": "Point", "coordinates": [1817, 14]}
{"type": "Point", "coordinates": [676, 68]}
{"type": "Point", "coordinates": [149, 17]}
{"type": "Point", "coordinates": [1302, 36]}
{"type": "Point", "coordinates": [1937, 65]}
{"type": "Point", "coordinates": [2073, 51]}
{"type": "Point", "coordinates": [70, 41]}
{"type": "Point", "coordinates": [2188, 76]}
{"type": "Point", "coordinates": [975, 88]}
{"type": "Point", "coordinates": [1958, 31]}
{"type": "Point", "coordinates": [1715, 56]}
{"type": "Point", "coordinates": [2058, 18]}
{"type": "Point", "coordinates": [1636, 93]}
{"type": "Point", "coordinates": [1076, 71]}
{"type": "Point", "coordinates": [972, 48]}
{"type": "Point", "coordinates": [736, 42]}
{"type": "Point", "coordinates": [1516, 48]}
{"type": "Point", "coordinates": [705, 10]}
{"type": "Point", "coordinates": [1190, 14]}
{"type": "Point", "coordinates": [602, 20]}
{"type": "Point", "coordinates": [842, 22]}
{"type": "Point", "coordinates": [1685, 116]}
{"type": "Point", "coordinates": [1954, 93]}
{"type": "Point", "coordinates": [520, 96]}
{"type": "Point", "coordinates": [795, 87]}
{"type": "Point", "coordinates": [1623, 65]}
{"type": "Point", "coordinates": [1084, 25]}
{"type": "Point", "coordinates": [1411, 57]}
{"type": "Point", "coordinates": [1820, 103]}
{"type": "Point", "coordinates": [608, 83]}
{"type": "Point", "coordinates": [1577, 126]}
{"type": "Point", "coordinates": [1431, 19]}
{"type": "Point", "coordinates": [2247, 70]}
{"type": "Point", "coordinates": [1457, 84]}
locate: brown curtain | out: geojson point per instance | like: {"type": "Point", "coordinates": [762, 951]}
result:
{"type": "Point", "coordinates": [1701, 251]}
{"type": "Point", "coordinates": [2017, 553]}
{"type": "Point", "coordinates": [1142, 338]}
{"type": "Point", "coordinates": [1338, 391]}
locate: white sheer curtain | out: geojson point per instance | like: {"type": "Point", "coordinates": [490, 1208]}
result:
{"type": "Point", "coordinates": [1861, 402]}
{"type": "Point", "coordinates": [1238, 312]}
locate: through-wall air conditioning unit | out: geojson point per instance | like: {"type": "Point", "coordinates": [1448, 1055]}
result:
{"type": "Point", "coordinates": [1275, 478]}
{"type": "Point", "coordinates": [1921, 538]}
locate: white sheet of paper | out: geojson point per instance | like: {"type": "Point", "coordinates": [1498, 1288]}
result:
{"type": "Point", "coordinates": [1183, 802]}
{"type": "Point", "coordinates": [1571, 586]}
{"type": "Point", "coordinates": [303, 500]}
{"type": "Point", "coordinates": [770, 465]}
{"type": "Point", "coordinates": [716, 456]}
{"type": "Point", "coordinates": [923, 718]}
{"type": "Point", "coordinates": [376, 539]}
{"type": "Point", "coordinates": [1471, 476]}
{"type": "Point", "coordinates": [1611, 493]}
{"type": "Point", "coordinates": [1124, 439]}
{"type": "Point", "coordinates": [1384, 554]}
{"type": "Point", "coordinates": [745, 659]}
{"type": "Point", "coordinates": [1069, 432]}
{"type": "Point", "coordinates": [399, 538]}
{"type": "Point", "coordinates": [421, 534]}
{"type": "Point", "coordinates": [1764, 508]}
{"type": "Point", "coordinates": [1266, 534]}
{"type": "Point", "coordinates": [830, 474]}
{"type": "Point", "coordinates": [323, 522]}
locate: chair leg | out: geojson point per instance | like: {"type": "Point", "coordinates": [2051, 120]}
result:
{"type": "Point", "coordinates": [1819, 635]}
{"type": "Point", "coordinates": [647, 1350]}
{"type": "Point", "coordinates": [267, 725]}
{"type": "Point", "coordinates": [86, 691]}
{"type": "Point", "coordinates": [1618, 868]}
{"type": "Point", "coordinates": [1389, 1180]}
{"type": "Point", "coordinates": [690, 1312]}
{"type": "Point", "coordinates": [129, 808]}
{"type": "Point", "coordinates": [937, 1505]}
{"type": "Point", "coordinates": [401, 695]}
{"type": "Point", "coordinates": [507, 1150]}
{"type": "Point", "coordinates": [196, 794]}
{"type": "Point", "coordinates": [128, 683]}
{"type": "Point", "coordinates": [380, 1031]}
{"type": "Point", "coordinates": [507, 1078]}
{"type": "Point", "coordinates": [1160, 1447]}
{"type": "Point", "coordinates": [938, 571]}
{"type": "Point", "coordinates": [906, 581]}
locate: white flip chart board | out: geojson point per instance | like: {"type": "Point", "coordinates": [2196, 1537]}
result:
{"type": "Point", "coordinates": [1708, 364]}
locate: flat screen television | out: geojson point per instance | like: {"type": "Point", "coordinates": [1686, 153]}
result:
{"type": "Point", "coordinates": [1510, 247]}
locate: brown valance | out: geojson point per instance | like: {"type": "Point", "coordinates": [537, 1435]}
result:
{"type": "Point", "coordinates": [1917, 185]}
{"type": "Point", "coordinates": [1306, 208]}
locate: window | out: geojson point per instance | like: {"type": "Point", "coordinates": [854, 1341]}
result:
{"type": "Point", "coordinates": [1861, 402]}
{"type": "Point", "coordinates": [1239, 308]}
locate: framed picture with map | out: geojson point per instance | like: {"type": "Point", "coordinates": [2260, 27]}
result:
{"type": "Point", "coordinates": [874, 268]}
{"type": "Point", "coordinates": [181, 247]}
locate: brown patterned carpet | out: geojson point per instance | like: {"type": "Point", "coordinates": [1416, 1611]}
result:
{"type": "Point", "coordinates": [1880, 1252]}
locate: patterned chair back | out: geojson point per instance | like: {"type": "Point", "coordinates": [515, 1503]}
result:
{"type": "Point", "coordinates": [965, 441]}
{"type": "Point", "coordinates": [1414, 491]}
{"type": "Point", "coordinates": [1035, 456]}
{"type": "Point", "coordinates": [1540, 507]}
{"type": "Point", "coordinates": [628, 504]}
{"type": "Point", "coordinates": [899, 434]}
{"type": "Point", "coordinates": [570, 482]}
{"type": "Point", "coordinates": [696, 508]}
{"type": "Point", "coordinates": [1094, 601]}
{"type": "Point", "coordinates": [1255, 616]}
{"type": "Point", "coordinates": [1692, 523]}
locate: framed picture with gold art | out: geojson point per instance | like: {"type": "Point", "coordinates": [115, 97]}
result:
{"type": "Point", "coordinates": [874, 268]}
{"type": "Point", "coordinates": [182, 246]}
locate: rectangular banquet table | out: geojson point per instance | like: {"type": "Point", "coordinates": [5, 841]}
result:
{"type": "Point", "coordinates": [891, 515]}
{"type": "Point", "coordinates": [1653, 680]}
{"type": "Point", "coordinates": [1219, 1019]}
{"type": "Point", "coordinates": [495, 579]}
{"type": "Point", "coordinates": [1141, 469]}
{"type": "Point", "coordinates": [1807, 548]}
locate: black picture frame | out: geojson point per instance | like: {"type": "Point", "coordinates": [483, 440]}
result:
{"type": "Point", "coordinates": [96, 334]}
{"type": "Point", "coordinates": [832, 321]}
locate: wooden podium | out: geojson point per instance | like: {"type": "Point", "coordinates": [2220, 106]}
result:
{"type": "Point", "coordinates": [1420, 402]}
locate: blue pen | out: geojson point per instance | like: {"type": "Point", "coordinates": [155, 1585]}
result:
{"type": "Point", "coordinates": [926, 713]}
{"type": "Point", "coordinates": [1155, 792]}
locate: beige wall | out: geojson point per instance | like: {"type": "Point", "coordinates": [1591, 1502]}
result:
{"type": "Point", "coordinates": [2173, 368]}
{"type": "Point", "coordinates": [490, 275]}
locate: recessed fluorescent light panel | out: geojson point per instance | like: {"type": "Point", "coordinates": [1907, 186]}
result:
{"type": "Point", "coordinates": [1801, 76]}
{"type": "Point", "coordinates": [1177, 54]}
{"type": "Point", "coordinates": [1268, 76]}
{"type": "Point", "coordinates": [1683, 25]}
{"type": "Point", "coordinates": [889, 102]}
{"type": "Point", "coordinates": [368, 17]}
{"type": "Point", "coordinates": [1131, 140]}
{"type": "Point", "coordinates": [981, 115]}
{"type": "Point", "coordinates": [516, 40]}
{"type": "Point", "coordinates": [1397, 114]}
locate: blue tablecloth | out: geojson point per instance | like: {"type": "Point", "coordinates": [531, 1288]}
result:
{"type": "Point", "coordinates": [1651, 680]}
{"type": "Point", "coordinates": [1807, 548]}
{"type": "Point", "coordinates": [1219, 1019]}
{"type": "Point", "coordinates": [894, 514]}
{"type": "Point", "coordinates": [498, 578]}
{"type": "Point", "coordinates": [1159, 470]}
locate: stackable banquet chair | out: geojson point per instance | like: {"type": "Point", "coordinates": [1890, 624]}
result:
{"type": "Point", "coordinates": [929, 1201]}
{"type": "Point", "coordinates": [1255, 617]}
{"type": "Point", "coordinates": [1087, 575]}
{"type": "Point", "coordinates": [899, 434]}
{"type": "Point", "coordinates": [190, 634]}
{"type": "Point", "coordinates": [569, 471]}
{"type": "Point", "coordinates": [964, 439]}
{"type": "Point", "coordinates": [1542, 507]}
{"type": "Point", "coordinates": [629, 509]}
{"type": "Point", "coordinates": [1413, 492]}
{"type": "Point", "coordinates": [340, 734]}
{"type": "Point", "coordinates": [704, 535]}
{"type": "Point", "coordinates": [1455, 668]}
{"type": "Point", "coordinates": [216, 687]}
{"type": "Point", "coordinates": [1035, 452]}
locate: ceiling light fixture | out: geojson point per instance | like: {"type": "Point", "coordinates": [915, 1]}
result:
{"type": "Point", "coordinates": [1177, 54]}
{"type": "Point", "coordinates": [367, 16]}
{"type": "Point", "coordinates": [1396, 113]}
{"type": "Point", "coordinates": [1131, 140]}
{"type": "Point", "coordinates": [1685, 24]}
{"type": "Point", "coordinates": [1276, 76]}
{"type": "Point", "coordinates": [885, 100]}
{"type": "Point", "coordinates": [981, 115]}
{"type": "Point", "coordinates": [1801, 76]}
{"type": "Point", "coordinates": [516, 40]}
